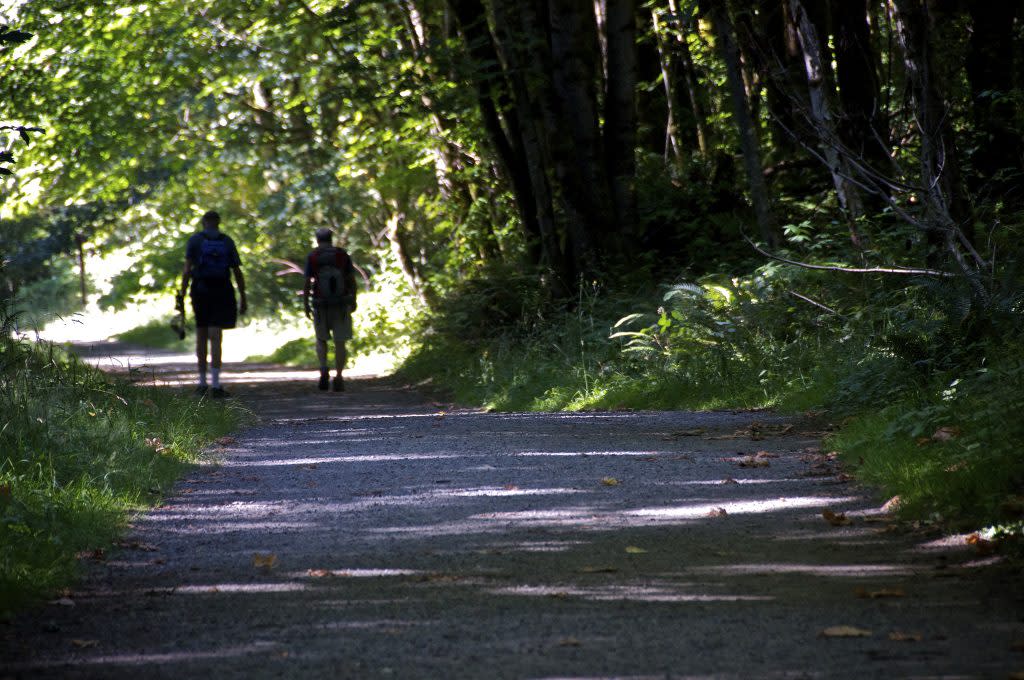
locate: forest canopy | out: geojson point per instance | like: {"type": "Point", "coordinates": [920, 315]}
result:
{"type": "Point", "coordinates": [553, 137]}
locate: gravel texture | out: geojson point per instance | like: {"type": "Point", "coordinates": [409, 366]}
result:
{"type": "Point", "coordinates": [369, 534]}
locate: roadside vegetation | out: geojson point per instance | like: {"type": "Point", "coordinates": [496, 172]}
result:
{"type": "Point", "coordinates": [82, 452]}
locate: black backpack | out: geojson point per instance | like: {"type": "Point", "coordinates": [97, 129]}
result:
{"type": "Point", "coordinates": [329, 266]}
{"type": "Point", "coordinates": [214, 257]}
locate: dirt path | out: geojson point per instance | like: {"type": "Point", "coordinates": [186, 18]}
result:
{"type": "Point", "coordinates": [370, 535]}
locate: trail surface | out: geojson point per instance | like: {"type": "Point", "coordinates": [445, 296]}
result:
{"type": "Point", "coordinates": [371, 535]}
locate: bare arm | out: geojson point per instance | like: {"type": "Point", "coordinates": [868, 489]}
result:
{"type": "Point", "coordinates": [243, 304]}
{"type": "Point", "coordinates": [186, 278]}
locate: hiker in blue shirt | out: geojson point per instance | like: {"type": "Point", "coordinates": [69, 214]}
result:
{"type": "Point", "coordinates": [210, 258]}
{"type": "Point", "coordinates": [330, 296]}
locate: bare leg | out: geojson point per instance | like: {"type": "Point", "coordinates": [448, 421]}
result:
{"type": "Point", "coordinates": [202, 334]}
{"type": "Point", "coordinates": [216, 336]}
{"type": "Point", "coordinates": [340, 356]}
{"type": "Point", "coordinates": [321, 354]}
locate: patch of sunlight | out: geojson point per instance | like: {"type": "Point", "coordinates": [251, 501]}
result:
{"type": "Point", "coordinates": [718, 482]}
{"type": "Point", "coordinates": [498, 491]}
{"type": "Point", "coordinates": [845, 570]}
{"type": "Point", "coordinates": [154, 658]}
{"type": "Point", "coordinates": [215, 588]}
{"type": "Point", "coordinates": [625, 593]}
{"type": "Point", "coordinates": [532, 546]}
{"type": "Point", "coordinates": [352, 573]}
{"type": "Point", "coordinates": [556, 454]}
{"type": "Point", "coordinates": [354, 458]}
{"type": "Point", "coordinates": [741, 507]}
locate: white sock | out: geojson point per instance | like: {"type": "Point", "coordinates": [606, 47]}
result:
{"type": "Point", "coordinates": [215, 375]}
{"type": "Point", "coordinates": [202, 377]}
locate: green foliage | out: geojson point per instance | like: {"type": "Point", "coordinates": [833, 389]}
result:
{"type": "Point", "coordinates": [157, 334]}
{"type": "Point", "coordinates": [80, 452]}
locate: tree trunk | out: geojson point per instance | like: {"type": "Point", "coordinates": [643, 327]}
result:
{"type": "Point", "coordinates": [990, 72]}
{"type": "Point", "coordinates": [861, 127]}
{"type": "Point", "coordinates": [821, 118]}
{"type": "Point", "coordinates": [726, 44]}
{"type": "Point", "coordinates": [941, 194]}
{"type": "Point", "coordinates": [697, 96]}
{"type": "Point", "coordinates": [620, 115]}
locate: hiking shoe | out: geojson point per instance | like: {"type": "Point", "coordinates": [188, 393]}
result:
{"type": "Point", "coordinates": [338, 384]}
{"type": "Point", "coordinates": [324, 380]}
{"type": "Point", "coordinates": [219, 393]}
{"type": "Point", "coordinates": [200, 390]}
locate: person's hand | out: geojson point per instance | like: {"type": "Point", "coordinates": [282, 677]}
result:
{"type": "Point", "coordinates": [243, 306]}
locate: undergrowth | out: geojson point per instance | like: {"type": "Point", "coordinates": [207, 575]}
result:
{"type": "Point", "coordinates": [81, 451]}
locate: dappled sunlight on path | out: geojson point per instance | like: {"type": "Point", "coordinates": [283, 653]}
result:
{"type": "Point", "coordinates": [367, 534]}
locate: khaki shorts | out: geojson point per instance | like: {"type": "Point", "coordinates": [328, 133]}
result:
{"type": "Point", "coordinates": [331, 321]}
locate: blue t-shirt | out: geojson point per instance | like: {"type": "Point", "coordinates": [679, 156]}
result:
{"type": "Point", "coordinates": [213, 260]}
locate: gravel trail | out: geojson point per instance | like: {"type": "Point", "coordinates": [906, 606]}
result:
{"type": "Point", "coordinates": [369, 534]}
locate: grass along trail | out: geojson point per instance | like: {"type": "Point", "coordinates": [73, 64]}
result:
{"type": "Point", "coordinates": [370, 535]}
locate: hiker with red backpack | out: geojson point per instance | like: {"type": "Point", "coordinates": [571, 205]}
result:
{"type": "Point", "coordinates": [210, 260]}
{"type": "Point", "coordinates": [330, 297]}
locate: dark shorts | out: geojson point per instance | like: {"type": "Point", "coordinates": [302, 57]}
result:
{"type": "Point", "coordinates": [332, 321]}
{"type": "Point", "coordinates": [213, 304]}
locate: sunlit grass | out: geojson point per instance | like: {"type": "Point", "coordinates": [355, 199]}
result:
{"type": "Point", "coordinates": [81, 452]}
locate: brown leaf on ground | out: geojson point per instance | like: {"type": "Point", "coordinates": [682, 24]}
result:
{"type": "Point", "coordinates": [226, 441]}
{"type": "Point", "coordinates": [264, 560]}
{"type": "Point", "coordinates": [752, 462]}
{"type": "Point", "coordinates": [844, 632]}
{"type": "Point", "coordinates": [892, 505]}
{"type": "Point", "coordinates": [569, 642]}
{"type": "Point", "coordinates": [718, 512]}
{"type": "Point", "coordinates": [597, 570]}
{"type": "Point", "coordinates": [836, 519]}
{"type": "Point", "coordinates": [610, 481]}
{"type": "Point", "coordinates": [85, 644]}
{"type": "Point", "coordinates": [981, 545]}
{"type": "Point", "coordinates": [765, 454]}
{"type": "Point", "coordinates": [897, 636]}
{"type": "Point", "coordinates": [320, 573]}
{"type": "Point", "coordinates": [876, 594]}
{"type": "Point", "coordinates": [511, 487]}
{"type": "Point", "coordinates": [728, 480]}
{"type": "Point", "coordinates": [155, 444]}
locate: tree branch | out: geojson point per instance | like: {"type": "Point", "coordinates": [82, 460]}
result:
{"type": "Point", "coordinates": [851, 270]}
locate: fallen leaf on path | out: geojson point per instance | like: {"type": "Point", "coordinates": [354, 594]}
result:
{"type": "Point", "coordinates": [765, 454]}
{"type": "Point", "coordinates": [876, 594]}
{"type": "Point", "coordinates": [752, 462]}
{"type": "Point", "coordinates": [844, 632]}
{"type": "Point", "coordinates": [892, 505]}
{"type": "Point", "coordinates": [226, 441]}
{"type": "Point", "coordinates": [85, 644]}
{"type": "Point", "coordinates": [634, 550]}
{"type": "Point", "coordinates": [569, 642]}
{"type": "Point", "coordinates": [728, 480]}
{"type": "Point", "coordinates": [718, 512]}
{"type": "Point", "coordinates": [610, 481]}
{"type": "Point", "coordinates": [836, 519]}
{"type": "Point", "coordinates": [511, 487]}
{"type": "Point", "coordinates": [264, 560]}
{"type": "Point", "coordinates": [897, 636]}
{"type": "Point", "coordinates": [597, 570]}
{"type": "Point", "coordinates": [981, 545]}
{"type": "Point", "coordinates": [155, 444]}
{"type": "Point", "coordinates": [320, 573]}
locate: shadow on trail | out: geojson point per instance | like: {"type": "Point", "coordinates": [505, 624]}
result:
{"type": "Point", "coordinates": [367, 535]}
